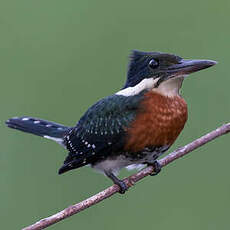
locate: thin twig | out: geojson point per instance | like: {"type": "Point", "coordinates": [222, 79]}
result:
{"type": "Point", "coordinates": [130, 181]}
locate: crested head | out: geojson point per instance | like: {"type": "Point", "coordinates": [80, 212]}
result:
{"type": "Point", "coordinates": [159, 71]}
{"type": "Point", "coordinates": [145, 65]}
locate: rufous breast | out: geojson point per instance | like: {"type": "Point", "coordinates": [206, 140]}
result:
{"type": "Point", "coordinates": [159, 121]}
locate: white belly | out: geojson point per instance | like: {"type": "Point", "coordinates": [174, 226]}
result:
{"type": "Point", "coordinates": [115, 164]}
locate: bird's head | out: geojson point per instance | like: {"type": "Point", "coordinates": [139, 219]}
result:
{"type": "Point", "coordinates": [149, 70]}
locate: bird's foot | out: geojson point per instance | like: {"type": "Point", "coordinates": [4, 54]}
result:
{"type": "Point", "coordinates": [122, 185]}
{"type": "Point", "coordinates": [157, 168]}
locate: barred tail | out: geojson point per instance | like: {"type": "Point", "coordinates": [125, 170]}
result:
{"type": "Point", "coordinates": [39, 127]}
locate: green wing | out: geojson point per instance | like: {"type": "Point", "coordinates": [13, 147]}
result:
{"type": "Point", "coordinates": [101, 130]}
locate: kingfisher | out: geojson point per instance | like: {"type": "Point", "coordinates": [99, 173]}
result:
{"type": "Point", "coordinates": [130, 128]}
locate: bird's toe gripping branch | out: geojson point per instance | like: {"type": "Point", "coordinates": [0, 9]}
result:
{"type": "Point", "coordinates": [157, 168]}
{"type": "Point", "coordinates": [122, 185]}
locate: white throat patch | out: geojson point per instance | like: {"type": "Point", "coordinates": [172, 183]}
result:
{"type": "Point", "coordinates": [168, 88]}
{"type": "Point", "coordinates": [171, 87]}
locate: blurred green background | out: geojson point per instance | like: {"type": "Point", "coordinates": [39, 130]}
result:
{"type": "Point", "coordinates": [59, 57]}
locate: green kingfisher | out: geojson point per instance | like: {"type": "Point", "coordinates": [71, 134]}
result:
{"type": "Point", "coordinates": [130, 128]}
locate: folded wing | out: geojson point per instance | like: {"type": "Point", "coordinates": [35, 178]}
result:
{"type": "Point", "coordinates": [101, 131]}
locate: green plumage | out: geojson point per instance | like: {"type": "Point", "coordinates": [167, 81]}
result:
{"type": "Point", "coordinates": [101, 130]}
{"type": "Point", "coordinates": [109, 114]}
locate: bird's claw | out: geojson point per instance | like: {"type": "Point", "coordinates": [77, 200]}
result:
{"type": "Point", "coordinates": [122, 185]}
{"type": "Point", "coordinates": [157, 168]}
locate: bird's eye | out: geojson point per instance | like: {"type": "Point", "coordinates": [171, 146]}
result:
{"type": "Point", "coordinates": [153, 64]}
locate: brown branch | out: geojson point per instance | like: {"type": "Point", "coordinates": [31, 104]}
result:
{"type": "Point", "coordinates": [130, 181]}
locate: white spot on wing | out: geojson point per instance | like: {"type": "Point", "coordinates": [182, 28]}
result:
{"type": "Point", "coordinates": [25, 119]}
